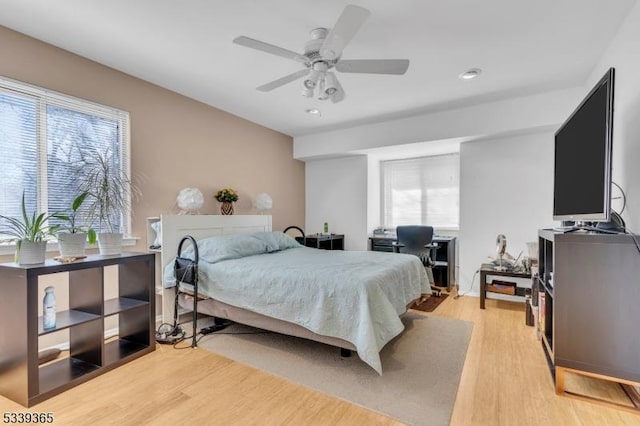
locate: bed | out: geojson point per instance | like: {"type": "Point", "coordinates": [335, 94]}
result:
{"type": "Point", "coordinates": [352, 300]}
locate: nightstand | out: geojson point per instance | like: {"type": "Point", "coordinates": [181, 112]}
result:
{"type": "Point", "coordinates": [324, 241]}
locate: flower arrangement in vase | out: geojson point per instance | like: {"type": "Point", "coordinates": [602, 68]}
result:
{"type": "Point", "coordinates": [227, 197]}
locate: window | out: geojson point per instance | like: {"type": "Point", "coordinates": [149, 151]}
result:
{"type": "Point", "coordinates": [45, 139]}
{"type": "Point", "coordinates": [421, 191]}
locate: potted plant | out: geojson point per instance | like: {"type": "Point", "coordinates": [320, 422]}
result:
{"type": "Point", "coordinates": [108, 194]}
{"type": "Point", "coordinates": [227, 197]}
{"type": "Point", "coordinates": [72, 237]}
{"type": "Point", "coordinates": [30, 235]}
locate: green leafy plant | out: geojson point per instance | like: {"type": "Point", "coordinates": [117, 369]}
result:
{"type": "Point", "coordinates": [226, 194]}
{"type": "Point", "coordinates": [31, 228]}
{"type": "Point", "coordinates": [72, 226]}
{"type": "Point", "coordinates": [108, 191]}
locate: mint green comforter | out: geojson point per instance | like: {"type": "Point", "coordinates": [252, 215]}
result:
{"type": "Point", "coordinates": [356, 296]}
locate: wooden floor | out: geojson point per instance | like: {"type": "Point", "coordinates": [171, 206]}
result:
{"type": "Point", "coordinates": [505, 381]}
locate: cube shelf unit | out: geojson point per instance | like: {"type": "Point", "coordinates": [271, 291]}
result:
{"type": "Point", "coordinates": [22, 379]}
{"type": "Point", "coordinates": [589, 298]}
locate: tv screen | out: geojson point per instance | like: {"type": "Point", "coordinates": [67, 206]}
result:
{"type": "Point", "coordinates": [582, 173]}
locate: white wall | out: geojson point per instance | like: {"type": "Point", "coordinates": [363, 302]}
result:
{"type": "Point", "coordinates": [337, 194]}
{"type": "Point", "coordinates": [624, 54]}
{"type": "Point", "coordinates": [345, 192]}
{"type": "Point", "coordinates": [472, 122]}
{"type": "Point", "coordinates": [374, 193]}
{"type": "Point", "coordinates": [506, 187]}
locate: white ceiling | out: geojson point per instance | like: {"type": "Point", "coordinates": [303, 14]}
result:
{"type": "Point", "coordinates": [522, 46]}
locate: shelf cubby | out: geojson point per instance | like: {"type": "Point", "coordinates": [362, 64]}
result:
{"type": "Point", "coordinates": [26, 382]}
{"type": "Point", "coordinates": [66, 319]}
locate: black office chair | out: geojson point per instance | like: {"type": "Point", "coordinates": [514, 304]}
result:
{"type": "Point", "coordinates": [418, 240]}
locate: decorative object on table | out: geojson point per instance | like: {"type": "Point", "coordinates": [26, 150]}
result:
{"type": "Point", "coordinates": [190, 200]}
{"type": "Point", "coordinates": [227, 197]}
{"type": "Point", "coordinates": [110, 193]}
{"type": "Point", "coordinates": [30, 235]}
{"type": "Point", "coordinates": [68, 259]}
{"type": "Point", "coordinates": [72, 236]}
{"type": "Point", "coordinates": [263, 202]}
{"type": "Point", "coordinates": [157, 228]}
{"type": "Point", "coordinates": [505, 262]}
{"type": "Point", "coordinates": [501, 248]}
{"type": "Point", "coordinates": [49, 309]}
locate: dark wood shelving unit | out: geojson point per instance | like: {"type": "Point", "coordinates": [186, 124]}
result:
{"type": "Point", "coordinates": [588, 319]}
{"type": "Point", "coordinates": [22, 379]}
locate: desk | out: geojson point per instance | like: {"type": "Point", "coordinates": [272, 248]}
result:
{"type": "Point", "coordinates": [444, 271]}
{"type": "Point", "coordinates": [324, 241]}
{"type": "Point", "coordinates": [484, 271]}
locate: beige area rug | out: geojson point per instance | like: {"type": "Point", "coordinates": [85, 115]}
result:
{"type": "Point", "coordinates": [421, 367]}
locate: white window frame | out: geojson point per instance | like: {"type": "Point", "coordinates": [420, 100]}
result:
{"type": "Point", "coordinates": [45, 97]}
{"type": "Point", "coordinates": [383, 194]}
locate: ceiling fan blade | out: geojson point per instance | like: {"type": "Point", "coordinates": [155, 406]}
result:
{"type": "Point", "coordinates": [339, 95]}
{"type": "Point", "coordinates": [374, 66]}
{"type": "Point", "coordinates": [270, 48]}
{"type": "Point", "coordinates": [282, 81]}
{"type": "Point", "coordinates": [346, 27]}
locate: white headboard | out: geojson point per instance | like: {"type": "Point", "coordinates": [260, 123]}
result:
{"type": "Point", "coordinates": [176, 227]}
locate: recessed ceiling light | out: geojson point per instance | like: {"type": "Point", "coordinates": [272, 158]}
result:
{"type": "Point", "coordinates": [314, 111]}
{"type": "Point", "coordinates": [472, 73]}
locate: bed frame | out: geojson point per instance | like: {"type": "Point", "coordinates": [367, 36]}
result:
{"type": "Point", "coordinates": [175, 227]}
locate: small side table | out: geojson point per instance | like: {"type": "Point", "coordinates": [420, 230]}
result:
{"type": "Point", "coordinates": [484, 271]}
{"type": "Point", "coordinates": [324, 241]}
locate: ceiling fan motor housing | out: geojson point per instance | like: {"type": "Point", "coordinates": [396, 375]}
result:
{"type": "Point", "coordinates": [312, 47]}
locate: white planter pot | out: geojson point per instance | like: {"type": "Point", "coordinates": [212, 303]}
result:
{"type": "Point", "coordinates": [110, 243]}
{"type": "Point", "coordinates": [31, 253]}
{"type": "Point", "coordinates": [72, 245]}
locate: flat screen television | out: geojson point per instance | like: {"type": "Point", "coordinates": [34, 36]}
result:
{"type": "Point", "coordinates": [582, 172]}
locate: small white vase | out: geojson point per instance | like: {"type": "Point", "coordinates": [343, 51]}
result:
{"type": "Point", "coordinates": [31, 253]}
{"type": "Point", "coordinates": [72, 245]}
{"type": "Point", "coordinates": [110, 243]}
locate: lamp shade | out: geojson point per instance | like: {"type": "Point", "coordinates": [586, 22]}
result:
{"type": "Point", "coordinates": [264, 202]}
{"type": "Point", "coordinates": [189, 200]}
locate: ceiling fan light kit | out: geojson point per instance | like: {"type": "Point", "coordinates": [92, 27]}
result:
{"type": "Point", "coordinates": [324, 52]}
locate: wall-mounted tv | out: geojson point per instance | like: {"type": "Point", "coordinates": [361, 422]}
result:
{"type": "Point", "coordinates": [582, 173]}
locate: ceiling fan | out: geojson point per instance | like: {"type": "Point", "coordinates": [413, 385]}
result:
{"type": "Point", "coordinates": [323, 53]}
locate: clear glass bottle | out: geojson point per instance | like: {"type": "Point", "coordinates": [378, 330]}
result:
{"type": "Point", "coordinates": [49, 309]}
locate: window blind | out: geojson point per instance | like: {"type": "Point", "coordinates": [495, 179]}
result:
{"type": "Point", "coordinates": [48, 137]}
{"type": "Point", "coordinates": [421, 191]}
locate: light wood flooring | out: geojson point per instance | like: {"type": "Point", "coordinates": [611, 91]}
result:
{"type": "Point", "coordinates": [505, 381]}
